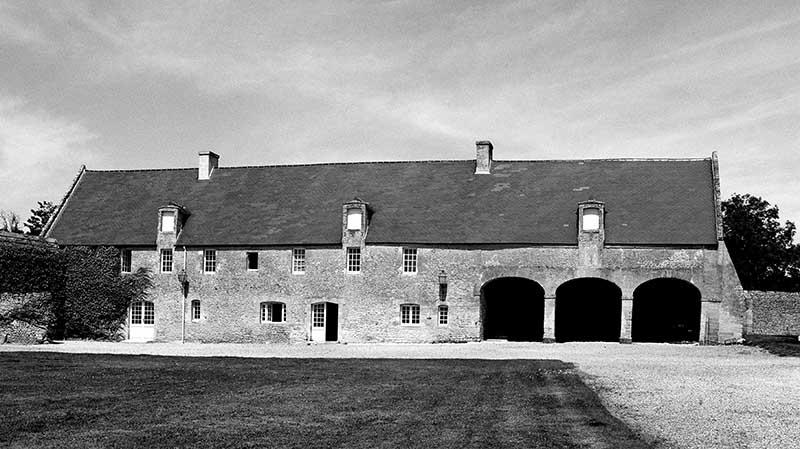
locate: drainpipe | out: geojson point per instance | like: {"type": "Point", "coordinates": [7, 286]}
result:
{"type": "Point", "coordinates": [183, 304]}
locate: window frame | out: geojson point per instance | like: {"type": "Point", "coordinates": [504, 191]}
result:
{"type": "Point", "coordinates": [299, 264]}
{"type": "Point", "coordinates": [596, 214]}
{"type": "Point", "coordinates": [209, 261]}
{"type": "Point", "coordinates": [143, 313]}
{"type": "Point", "coordinates": [194, 311]}
{"type": "Point", "coordinates": [168, 213]}
{"type": "Point", "coordinates": [126, 261]}
{"type": "Point", "coordinates": [408, 314]}
{"type": "Point", "coordinates": [247, 256]}
{"type": "Point", "coordinates": [352, 212]}
{"type": "Point", "coordinates": [166, 258]}
{"type": "Point", "coordinates": [353, 259]}
{"type": "Point", "coordinates": [267, 312]}
{"type": "Point", "coordinates": [443, 316]}
{"type": "Point", "coordinates": [410, 261]}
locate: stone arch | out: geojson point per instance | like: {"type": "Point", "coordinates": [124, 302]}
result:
{"type": "Point", "coordinates": [666, 310]}
{"type": "Point", "coordinates": [512, 308]}
{"type": "Point", "coordinates": [588, 309]}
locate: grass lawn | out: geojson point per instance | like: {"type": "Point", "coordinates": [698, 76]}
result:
{"type": "Point", "coordinates": [87, 400]}
{"type": "Point", "coordinates": [776, 344]}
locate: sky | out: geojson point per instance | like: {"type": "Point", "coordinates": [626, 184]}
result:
{"type": "Point", "coordinates": [124, 85]}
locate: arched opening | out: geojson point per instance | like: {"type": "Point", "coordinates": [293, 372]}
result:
{"type": "Point", "coordinates": [512, 309]}
{"type": "Point", "coordinates": [588, 309]}
{"type": "Point", "coordinates": [666, 310]}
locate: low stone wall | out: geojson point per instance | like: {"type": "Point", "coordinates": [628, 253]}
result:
{"type": "Point", "coordinates": [772, 313]}
{"type": "Point", "coordinates": [24, 317]}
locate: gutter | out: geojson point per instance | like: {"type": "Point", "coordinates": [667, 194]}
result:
{"type": "Point", "coordinates": [54, 218]}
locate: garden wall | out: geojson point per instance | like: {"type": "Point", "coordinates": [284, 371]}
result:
{"type": "Point", "coordinates": [772, 313]}
{"type": "Point", "coordinates": [24, 317]}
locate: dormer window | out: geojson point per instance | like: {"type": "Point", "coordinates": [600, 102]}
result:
{"type": "Point", "coordinates": [168, 221]}
{"type": "Point", "coordinates": [591, 219]}
{"type": "Point", "coordinates": [354, 219]}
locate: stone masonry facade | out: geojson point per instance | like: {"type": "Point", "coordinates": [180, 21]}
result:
{"type": "Point", "coordinates": [369, 301]}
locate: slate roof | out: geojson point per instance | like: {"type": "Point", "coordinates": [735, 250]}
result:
{"type": "Point", "coordinates": [648, 202]}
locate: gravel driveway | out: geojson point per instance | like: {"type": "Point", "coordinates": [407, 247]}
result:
{"type": "Point", "coordinates": [687, 396]}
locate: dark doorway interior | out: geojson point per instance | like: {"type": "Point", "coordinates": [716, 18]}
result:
{"type": "Point", "coordinates": [666, 311]}
{"type": "Point", "coordinates": [332, 322]}
{"type": "Point", "coordinates": [513, 309]}
{"type": "Point", "coordinates": [588, 309]}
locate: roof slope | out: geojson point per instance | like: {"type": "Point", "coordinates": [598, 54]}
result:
{"type": "Point", "coordinates": [658, 202]}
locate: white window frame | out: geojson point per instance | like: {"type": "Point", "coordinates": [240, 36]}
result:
{"type": "Point", "coordinates": [209, 261]}
{"type": "Point", "coordinates": [593, 224]}
{"type": "Point", "coordinates": [353, 259]}
{"type": "Point", "coordinates": [267, 312]}
{"type": "Point", "coordinates": [299, 261]}
{"type": "Point", "coordinates": [143, 313]}
{"type": "Point", "coordinates": [247, 256]}
{"type": "Point", "coordinates": [443, 315]}
{"type": "Point", "coordinates": [410, 315]}
{"type": "Point", "coordinates": [172, 214]}
{"type": "Point", "coordinates": [126, 256]}
{"type": "Point", "coordinates": [410, 261]}
{"type": "Point", "coordinates": [353, 223]}
{"type": "Point", "coordinates": [166, 260]}
{"type": "Point", "coordinates": [194, 310]}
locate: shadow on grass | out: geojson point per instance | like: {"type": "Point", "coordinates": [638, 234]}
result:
{"type": "Point", "coordinates": [782, 345]}
{"type": "Point", "coordinates": [92, 400]}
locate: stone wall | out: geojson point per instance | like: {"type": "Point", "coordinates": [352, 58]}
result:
{"type": "Point", "coordinates": [773, 313]}
{"type": "Point", "coordinates": [369, 301]}
{"type": "Point", "coordinates": [24, 317]}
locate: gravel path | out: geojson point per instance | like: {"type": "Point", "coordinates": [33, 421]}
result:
{"type": "Point", "coordinates": [684, 395]}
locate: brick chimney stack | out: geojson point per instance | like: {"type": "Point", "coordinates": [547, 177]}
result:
{"type": "Point", "coordinates": [483, 160]}
{"type": "Point", "coordinates": [208, 162]}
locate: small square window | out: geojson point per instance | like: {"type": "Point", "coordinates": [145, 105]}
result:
{"type": "Point", "coordinates": [443, 315]}
{"type": "Point", "coordinates": [409, 314]}
{"type": "Point", "coordinates": [167, 221]}
{"type": "Point", "coordinates": [126, 261]}
{"type": "Point", "coordinates": [209, 261]}
{"type": "Point", "coordinates": [354, 219]}
{"type": "Point", "coordinates": [166, 261]}
{"type": "Point", "coordinates": [591, 219]}
{"type": "Point", "coordinates": [252, 261]}
{"type": "Point", "coordinates": [409, 260]}
{"type": "Point", "coordinates": [353, 260]}
{"type": "Point", "coordinates": [273, 312]}
{"type": "Point", "coordinates": [195, 310]}
{"type": "Point", "coordinates": [298, 261]}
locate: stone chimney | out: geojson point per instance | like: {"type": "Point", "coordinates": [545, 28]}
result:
{"type": "Point", "coordinates": [483, 160]}
{"type": "Point", "coordinates": [208, 162]}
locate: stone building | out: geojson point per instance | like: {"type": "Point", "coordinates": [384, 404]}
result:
{"type": "Point", "coordinates": [420, 251]}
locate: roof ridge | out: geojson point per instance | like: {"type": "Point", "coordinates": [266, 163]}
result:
{"type": "Point", "coordinates": [425, 161]}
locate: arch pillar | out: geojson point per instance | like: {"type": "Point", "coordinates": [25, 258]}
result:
{"type": "Point", "coordinates": [709, 322]}
{"type": "Point", "coordinates": [626, 318]}
{"type": "Point", "coordinates": [549, 319]}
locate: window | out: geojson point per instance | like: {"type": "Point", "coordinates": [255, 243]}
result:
{"type": "Point", "coordinates": [126, 261]}
{"type": "Point", "coordinates": [353, 219]}
{"type": "Point", "coordinates": [167, 221]}
{"type": "Point", "coordinates": [591, 219]}
{"type": "Point", "coordinates": [273, 312]}
{"type": "Point", "coordinates": [209, 261]}
{"type": "Point", "coordinates": [195, 310]}
{"type": "Point", "coordinates": [353, 260]}
{"type": "Point", "coordinates": [442, 315]}
{"type": "Point", "coordinates": [166, 261]}
{"type": "Point", "coordinates": [142, 312]}
{"type": "Point", "coordinates": [252, 261]}
{"type": "Point", "coordinates": [409, 314]}
{"type": "Point", "coordinates": [409, 260]}
{"type": "Point", "coordinates": [298, 261]}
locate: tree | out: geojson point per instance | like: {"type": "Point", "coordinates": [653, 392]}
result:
{"type": "Point", "coordinates": [9, 221]}
{"type": "Point", "coordinates": [39, 217]}
{"type": "Point", "coordinates": [763, 251]}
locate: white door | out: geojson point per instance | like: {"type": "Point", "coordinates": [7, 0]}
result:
{"type": "Point", "coordinates": [318, 322]}
{"type": "Point", "coordinates": [142, 321]}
